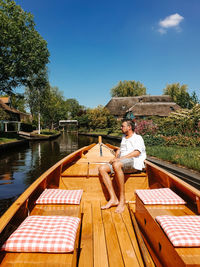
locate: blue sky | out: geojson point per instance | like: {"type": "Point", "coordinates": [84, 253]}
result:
{"type": "Point", "coordinates": [94, 44]}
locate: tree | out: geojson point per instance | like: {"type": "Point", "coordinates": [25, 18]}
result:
{"type": "Point", "coordinates": [180, 95]}
{"type": "Point", "coordinates": [183, 121]}
{"type": "Point", "coordinates": [18, 102]}
{"type": "Point", "coordinates": [128, 88]}
{"type": "Point", "coordinates": [3, 115]}
{"type": "Point", "coordinates": [100, 117]}
{"type": "Point", "coordinates": [52, 110]}
{"type": "Point", "coordinates": [72, 108]}
{"type": "Point", "coordinates": [36, 93]}
{"type": "Point", "coordinates": [23, 52]}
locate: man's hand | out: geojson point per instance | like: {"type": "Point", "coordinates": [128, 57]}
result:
{"type": "Point", "coordinates": [114, 160]}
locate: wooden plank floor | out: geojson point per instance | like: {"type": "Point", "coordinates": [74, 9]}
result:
{"type": "Point", "coordinates": [107, 238]}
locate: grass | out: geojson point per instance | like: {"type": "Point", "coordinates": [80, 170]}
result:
{"type": "Point", "coordinates": [48, 132]}
{"type": "Point", "coordinates": [4, 140]}
{"type": "Point", "coordinates": [101, 132]}
{"type": "Point", "coordinates": [8, 137]}
{"type": "Point", "coordinates": [184, 156]}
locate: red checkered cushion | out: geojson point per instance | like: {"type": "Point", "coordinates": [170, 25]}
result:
{"type": "Point", "coordinates": [59, 196]}
{"type": "Point", "coordinates": [182, 231]}
{"type": "Point", "coordinates": [55, 234]}
{"type": "Point", "coordinates": [159, 196]}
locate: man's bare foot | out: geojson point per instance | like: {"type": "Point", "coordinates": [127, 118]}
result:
{"type": "Point", "coordinates": [111, 203]}
{"type": "Point", "coordinates": [120, 208]}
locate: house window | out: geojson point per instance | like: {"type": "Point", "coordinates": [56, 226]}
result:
{"type": "Point", "coordinates": [123, 107]}
{"type": "Point", "coordinates": [130, 116]}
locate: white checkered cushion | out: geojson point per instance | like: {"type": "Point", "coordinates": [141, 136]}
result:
{"type": "Point", "coordinates": [54, 234]}
{"type": "Point", "coordinates": [159, 196]}
{"type": "Point", "coordinates": [182, 231]}
{"type": "Point", "coordinates": [59, 196]}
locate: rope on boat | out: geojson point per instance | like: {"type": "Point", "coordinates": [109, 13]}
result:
{"type": "Point", "coordinates": [111, 150]}
{"type": "Point", "coordinates": [101, 152]}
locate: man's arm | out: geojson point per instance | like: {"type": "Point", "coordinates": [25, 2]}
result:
{"type": "Point", "coordinates": [133, 154]}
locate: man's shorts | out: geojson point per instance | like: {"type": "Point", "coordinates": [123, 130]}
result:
{"type": "Point", "coordinates": [127, 166]}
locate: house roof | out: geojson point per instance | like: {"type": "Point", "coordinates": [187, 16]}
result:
{"type": "Point", "coordinates": [119, 105]}
{"type": "Point", "coordinates": [13, 110]}
{"type": "Point", "coordinates": [6, 107]}
{"type": "Point", "coordinates": [161, 109]}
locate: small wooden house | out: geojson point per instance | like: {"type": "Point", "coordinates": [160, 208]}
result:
{"type": "Point", "coordinates": [14, 117]}
{"type": "Point", "coordinates": [14, 114]}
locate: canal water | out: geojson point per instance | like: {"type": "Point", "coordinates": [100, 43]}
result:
{"type": "Point", "coordinates": [20, 167]}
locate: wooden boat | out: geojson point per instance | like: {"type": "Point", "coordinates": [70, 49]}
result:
{"type": "Point", "coordinates": [105, 238]}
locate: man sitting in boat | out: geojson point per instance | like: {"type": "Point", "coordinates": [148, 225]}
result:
{"type": "Point", "coordinates": [128, 159]}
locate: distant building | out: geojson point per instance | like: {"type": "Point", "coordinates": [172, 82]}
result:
{"type": "Point", "coordinates": [15, 117]}
{"type": "Point", "coordinates": [141, 106]}
{"type": "Point", "coordinates": [14, 114]}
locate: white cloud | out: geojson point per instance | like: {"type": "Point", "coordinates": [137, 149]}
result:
{"type": "Point", "coordinates": [171, 21]}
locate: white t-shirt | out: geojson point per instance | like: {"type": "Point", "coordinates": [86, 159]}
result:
{"type": "Point", "coordinates": [128, 145]}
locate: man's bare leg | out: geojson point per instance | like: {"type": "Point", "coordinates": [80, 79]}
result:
{"type": "Point", "coordinates": [119, 174]}
{"type": "Point", "coordinates": [104, 170]}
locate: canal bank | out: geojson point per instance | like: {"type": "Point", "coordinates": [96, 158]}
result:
{"type": "Point", "coordinates": [26, 138]}
{"type": "Point", "coordinates": [38, 137]}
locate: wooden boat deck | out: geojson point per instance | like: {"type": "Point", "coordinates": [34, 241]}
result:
{"type": "Point", "coordinates": [107, 238]}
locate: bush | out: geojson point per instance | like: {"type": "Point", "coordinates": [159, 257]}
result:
{"type": "Point", "coordinates": [26, 127]}
{"type": "Point", "coordinates": [145, 127]}
{"type": "Point", "coordinates": [182, 140]}
{"type": "Point", "coordinates": [151, 140]}
{"type": "Point", "coordinates": [49, 132]}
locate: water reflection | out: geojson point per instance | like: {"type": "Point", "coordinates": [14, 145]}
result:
{"type": "Point", "coordinates": [21, 167]}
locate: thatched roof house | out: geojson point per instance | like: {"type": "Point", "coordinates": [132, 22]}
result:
{"type": "Point", "coordinates": [142, 106]}
{"type": "Point", "coordinates": [161, 109]}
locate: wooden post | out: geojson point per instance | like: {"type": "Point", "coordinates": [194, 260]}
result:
{"type": "Point", "coordinates": [6, 126]}
{"type": "Point", "coordinates": [100, 139]}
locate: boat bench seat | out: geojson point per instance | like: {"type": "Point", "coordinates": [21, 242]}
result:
{"type": "Point", "coordinates": [47, 259]}
{"type": "Point", "coordinates": [157, 241]}
{"type": "Point", "coordinates": [57, 210]}
{"type": "Point", "coordinates": [90, 169]}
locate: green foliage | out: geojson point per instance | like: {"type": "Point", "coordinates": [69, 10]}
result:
{"type": "Point", "coordinates": [180, 95]}
{"type": "Point", "coordinates": [145, 127]}
{"type": "Point", "coordinates": [18, 102]}
{"type": "Point", "coordinates": [23, 51]}
{"type": "Point", "coordinates": [51, 106]}
{"type": "Point", "coordinates": [26, 127]}
{"type": "Point", "coordinates": [72, 109]}
{"type": "Point", "coordinates": [3, 115]}
{"type": "Point", "coordinates": [50, 103]}
{"type": "Point", "coordinates": [183, 121]}
{"type": "Point", "coordinates": [49, 132]}
{"type": "Point", "coordinates": [83, 121]}
{"type": "Point", "coordinates": [152, 140]}
{"type": "Point", "coordinates": [181, 140]}
{"type": "Point", "coordinates": [128, 88]}
{"type": "Point", "coordinates": [101, 118]}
